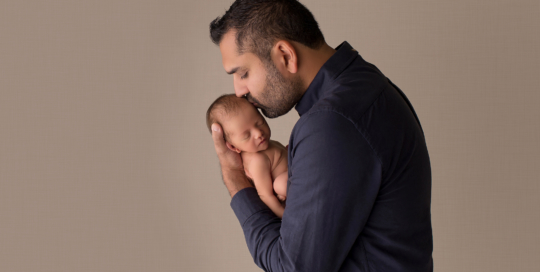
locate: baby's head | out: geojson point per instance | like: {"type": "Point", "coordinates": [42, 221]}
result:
{"type": "Point", "coordinates": [245, 129]}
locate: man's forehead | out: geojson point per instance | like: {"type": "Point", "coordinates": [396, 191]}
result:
{"type": "Point", "coordinates": [228, 48]}
{"type": "Point", "coordinates": [229, 40]}
{"type": "Point", "coordinates": [231, 58]}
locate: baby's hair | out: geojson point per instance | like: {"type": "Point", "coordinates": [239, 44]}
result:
{"type": "Point", "coordinates": [222, 106]}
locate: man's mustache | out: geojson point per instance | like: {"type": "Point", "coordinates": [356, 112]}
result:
{"type": "Point", "coordinates": [252, 100]}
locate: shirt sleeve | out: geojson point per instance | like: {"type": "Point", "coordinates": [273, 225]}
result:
{"type": "Point", "coordinates": [334, 180]}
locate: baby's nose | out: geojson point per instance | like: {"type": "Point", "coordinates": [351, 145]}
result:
{"type": "Point", "coordinates": [259, 134]}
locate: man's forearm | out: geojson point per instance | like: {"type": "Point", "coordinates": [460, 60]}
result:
{"type": "Point", "coordinates": [235, 181]}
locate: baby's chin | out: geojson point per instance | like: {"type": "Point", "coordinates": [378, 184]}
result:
{"type": "Point", "coordinates": [263, 147]}
{"type": "Point", "coordinates": [254, 151]}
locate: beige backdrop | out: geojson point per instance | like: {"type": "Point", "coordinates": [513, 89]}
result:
{"type": "Point", "coordinates": [106, 163]}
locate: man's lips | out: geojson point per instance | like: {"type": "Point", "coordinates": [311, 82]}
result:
{"type": "Point", "coordinates": [252, 103]}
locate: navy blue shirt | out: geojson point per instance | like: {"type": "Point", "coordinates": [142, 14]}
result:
{"type": "Point", "coordinates": [359, 188]}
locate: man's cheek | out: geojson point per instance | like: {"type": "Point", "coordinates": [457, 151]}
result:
{"type": "Point", "coordinates": [259, 83]}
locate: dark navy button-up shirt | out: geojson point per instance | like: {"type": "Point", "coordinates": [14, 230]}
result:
{"type": "Point", "coordinates": [359, 188]}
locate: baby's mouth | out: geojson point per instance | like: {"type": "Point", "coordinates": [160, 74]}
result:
{"type": "Point", "coordinates": [264, 140]}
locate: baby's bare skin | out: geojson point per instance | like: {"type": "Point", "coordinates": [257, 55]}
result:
{"type": "Point", "coordinates": [264, 160]}
{"type": "Point", "coordinates": [276, 154]}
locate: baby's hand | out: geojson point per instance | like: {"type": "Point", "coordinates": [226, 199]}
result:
{"type": "Point", "coordinates": [281, 198]}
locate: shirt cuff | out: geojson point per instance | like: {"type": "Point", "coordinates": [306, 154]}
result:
{"type": "Point", "coordinates": [246, 203]}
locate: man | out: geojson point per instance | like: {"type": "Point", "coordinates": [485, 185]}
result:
{"type": "Point", "coordinates": [359, 188]}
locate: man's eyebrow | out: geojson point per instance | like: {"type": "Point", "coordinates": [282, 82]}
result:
{"type": "Point", "coordinates": [232, 71]}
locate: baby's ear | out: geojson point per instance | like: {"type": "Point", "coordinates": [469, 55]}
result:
{"type": "Point", "coordinates": [232, 148]}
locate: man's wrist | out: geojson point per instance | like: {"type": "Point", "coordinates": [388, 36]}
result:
{"type": "Point", "coordinates": [235, 180]}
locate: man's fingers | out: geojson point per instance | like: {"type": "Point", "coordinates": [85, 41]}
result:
{"type": "Point", "coordinates": [227, 158]}
{"type": "Point", "coordinates": [217, 136]}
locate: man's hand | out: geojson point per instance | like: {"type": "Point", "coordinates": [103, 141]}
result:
{"type": "Point", "coordinates": [232, 167]}
{"type": "Point", "coordinates": [227, 158]}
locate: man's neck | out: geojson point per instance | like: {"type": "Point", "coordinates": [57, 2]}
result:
{"type": "Point", "coordinates": [311, 61]}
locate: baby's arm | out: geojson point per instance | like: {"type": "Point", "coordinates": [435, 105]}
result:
{"type": "Point", "coordinates": [260, 170]}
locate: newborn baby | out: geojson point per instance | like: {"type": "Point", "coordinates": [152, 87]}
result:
{"type": "Point", "coordinates": [246, 132]}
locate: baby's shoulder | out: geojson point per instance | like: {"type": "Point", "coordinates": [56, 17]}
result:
{"type": "Point", "coordinates": [275, 145]}
{"type": "Point", "coordinates": [255, 158]}
{"type": "Point", "coordinates": [276, 150]}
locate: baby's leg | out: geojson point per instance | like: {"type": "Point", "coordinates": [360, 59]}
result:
{"type": "Point", "coordinates": [280, 184]}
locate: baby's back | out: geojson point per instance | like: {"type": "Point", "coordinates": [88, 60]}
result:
{"type": "Point", "coordinates": [277, 154]}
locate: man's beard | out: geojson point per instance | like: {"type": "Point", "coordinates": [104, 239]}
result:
{"type": "Point", "coordinates": [279, 95]}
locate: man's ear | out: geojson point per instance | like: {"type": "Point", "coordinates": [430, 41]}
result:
{"type": "Point", "coordinates": [285, 56]}
{"type": "Point", "coordinates": [232, 147]}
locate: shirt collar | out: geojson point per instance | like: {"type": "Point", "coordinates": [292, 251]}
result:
{"type": "Point", "coordinates": [332, 68]}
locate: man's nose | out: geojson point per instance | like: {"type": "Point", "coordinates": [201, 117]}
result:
{"type": "Point", "coordinates": [240, 89]}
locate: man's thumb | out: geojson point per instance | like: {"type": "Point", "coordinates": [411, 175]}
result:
{"type": "Point", "coordinates": [217, 136]}
{"type": "Point", "coordinates": [215, 127]}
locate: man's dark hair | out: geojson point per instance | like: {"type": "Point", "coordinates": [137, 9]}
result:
{"type": "Point", "coordinates": [260, 23]}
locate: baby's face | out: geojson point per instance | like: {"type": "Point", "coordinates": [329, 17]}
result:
{"type": "Point", "coordinates": [247, 130]}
